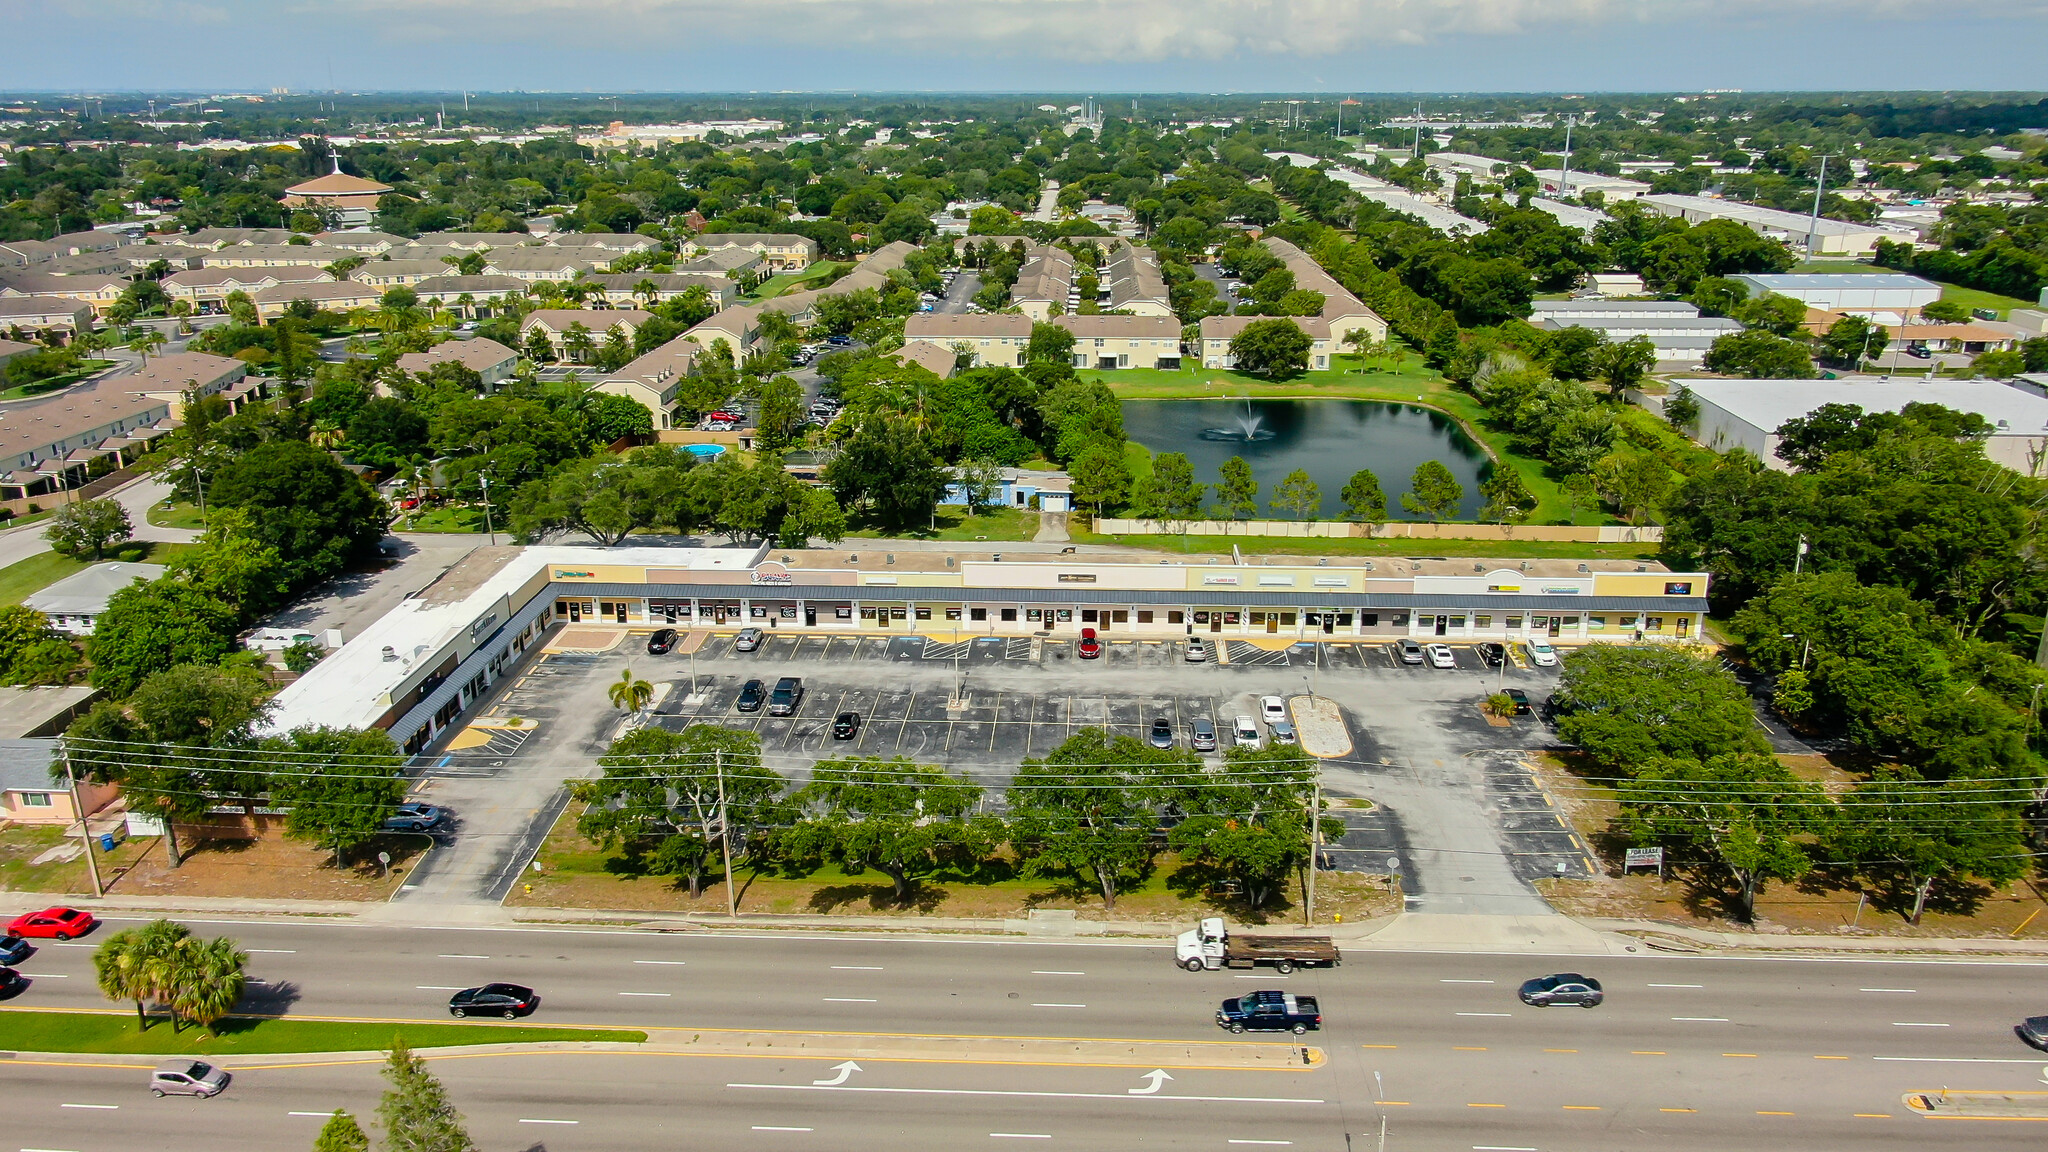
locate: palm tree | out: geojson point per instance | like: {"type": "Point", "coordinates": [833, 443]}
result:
{"type": "Point", "coordinates": [646, 290]}
{"type": "Point", "coordinates": [629, 694]}
{"type": "Point", "coordinates": [211, 978]}
{"type": "Point", "coordinates": [146, 343]}
{"type": "Point", "coordinates": [577, 290]}
{"type": "Point", "coordinates": [138, 964]}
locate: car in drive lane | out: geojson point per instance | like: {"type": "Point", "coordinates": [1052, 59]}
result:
{"type": "Point", "coordinates": [1270, 1012]}
{"type": "Point", "coordinates": [1563, 988]}
{"type": "Point", "coordinates": [13, 950]}
{"type": "Point", "coordinates": [57, 923]}
{"type": "Point", "coordinates": [508, 1000]}
{"type": "Point", "coordinates": [2034, 1030]}
{"type": "Point", "coordinates": [415, 817]}
{"type": "Point", "coordinates": [188, 1078]}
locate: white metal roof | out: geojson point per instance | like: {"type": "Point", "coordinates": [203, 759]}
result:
{"type": "Point", "coordinates": [1767, 404]}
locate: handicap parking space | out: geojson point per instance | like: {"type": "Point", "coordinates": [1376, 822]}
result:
{"type": "Point", "coordinates": [945, 649]}
{"type": "Point", "coordinates": [906, 647]}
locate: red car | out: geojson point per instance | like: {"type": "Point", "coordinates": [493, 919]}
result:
{"type": "Point", "coordinates": [62, 923]}
{"type": "Point", "coordinates": [1090, 646]}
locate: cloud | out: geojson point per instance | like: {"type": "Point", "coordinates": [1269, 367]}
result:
{"type": "Point", "coordinates": [1080, 31]}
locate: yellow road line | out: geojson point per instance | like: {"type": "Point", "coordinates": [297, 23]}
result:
{"type": "Point", "coordinates": [1740, 1055]}
{"type": "Point", "coordinates": [1677, 1109]}
{"type": "Point", "coordinates": [430, 1055]}
{"type": "Point", "coordinates": [1455, 1049]}
{"type": "Point", "coordinates": [1582, 1107]}
{"type": "Point", "coordinates": [1560, 1049]}
{"type": "Point", "coordinates": [1391, 1103]}
{"type": "Point", "coordinates": [1648, 1053]}
{"type": "Point", "coordinates": [1830, 1057]}
{"type": "Point", "coordinates": [1485, 1105]}
{"type": "Point", "coordinates": [1379, 1045]}
{"type": "Point", "coordinates": [1775, 1113]}
{"type": "Point", "coordinates": [1873, 1115]}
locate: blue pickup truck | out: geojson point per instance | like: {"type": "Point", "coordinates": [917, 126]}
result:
{"type": "Point", "coordinates": [1270, 1012]}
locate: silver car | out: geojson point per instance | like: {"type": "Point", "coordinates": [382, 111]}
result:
{"type": "Point", "coordinates": [746, 640]}
{"type": "Point", "coordinates": [1202, 736]}
{"type": "Point", "coordinates": [188, 1078]}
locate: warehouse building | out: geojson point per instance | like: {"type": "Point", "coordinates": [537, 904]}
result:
{"type": "Point", "coordinates": [1823, 237]}
{"type": "Point", "coordinates": [1848, 291]}
{"type": "Point", "coordinates": [1748, 413]}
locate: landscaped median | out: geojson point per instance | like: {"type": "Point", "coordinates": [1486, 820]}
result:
{"type": "Point", "coordinates": [111, 1032]}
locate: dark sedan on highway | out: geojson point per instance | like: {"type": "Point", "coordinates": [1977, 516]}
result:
{"type": "Point", "coordinates": [1563, 988]}
{"type": "Point", "coordinates": [508, 1000]}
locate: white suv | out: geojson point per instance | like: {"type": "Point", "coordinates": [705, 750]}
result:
{"type": "Point", "coordinates": [1541, 653]}
{"type": "Point", "coordinates": [1245, 731]}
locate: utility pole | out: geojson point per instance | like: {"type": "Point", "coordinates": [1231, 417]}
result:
{"type": "Point", "coordinates": [92, 867]}
{"type": "Point", "coordinates": [1813, 227]}
{"type": "Point", "coordinates": [1799, 558]}
{"type": "Point", "coordinates": [1564, 183]}
{"type": "Point", "coordinates": [488, 530]}
{"type": "Point", "coordinates": [732, 908]}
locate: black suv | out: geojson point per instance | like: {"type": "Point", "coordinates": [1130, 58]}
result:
{"type": "Point", "coordinates": [751, 696]}
{"type": "Point", "coordinates": [787, 697]}
{"type": "Point", "coordinates": [1493, 655]}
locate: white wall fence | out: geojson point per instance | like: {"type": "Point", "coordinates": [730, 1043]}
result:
{"type": "Point", "coordinates": [1392, 530]}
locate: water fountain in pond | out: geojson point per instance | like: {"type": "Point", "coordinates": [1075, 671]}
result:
{"type": "Point", "coordinates": [1248, 430]}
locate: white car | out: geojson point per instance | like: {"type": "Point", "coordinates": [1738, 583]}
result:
{"type": "Point", "coordinates": [1440, 656]}
{"type": "Point", "coordinates": [1197, 651]}
{"type": "Point", "coordinates": [1541, 653]}
{"type": "Point", "coordinates": [1272, 709]}
{"type": "Point", "coordinates": [1245, 732]}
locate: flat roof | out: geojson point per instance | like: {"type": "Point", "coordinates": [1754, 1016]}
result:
{"type": "Point", "coordinates": [1862, 280]}
{"type": "Point", "coordinates": [1767, 404]}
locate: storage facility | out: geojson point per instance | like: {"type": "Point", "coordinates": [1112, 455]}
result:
{"type": "Point", "coordinates": [1748, 413]}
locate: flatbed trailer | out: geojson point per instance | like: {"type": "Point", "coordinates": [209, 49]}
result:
{"type": "Point", "coordinates": [1211, 946]}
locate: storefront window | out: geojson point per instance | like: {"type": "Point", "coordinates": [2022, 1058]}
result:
{"type": "Point", "coordinates": [1087, 615]}
{"type": "Point", "coordinates": [867, 613]}
{"type": "Point", "coordinates": [898, 614]}
{"type": "Point", "coordinates": [1654, 624]}
{"type": "Point", "coordinates": [952, 613]}
{"type": "Point", "coordinates": [1343, 619]}
{"type": "Point", "coordinates": [978, 613]}
{"type": "Point", "coordinates": [1066, 615]}
{"type": "Point", "coordinates": [1596, 623]}
{"type": "Point", "coordinates": [1230, 617]}
{"type": "Point", "coordinates": [1399, 620]}
{"type": "Point", "coordinates": [1200, 617]}
{"type": "Point", "coordinates": [758, 611]}
{"type": "Point", "coordinates": [847, 613]}
{"type": "Point", "coordinates": [1287, 619]}
{"type": "Point", "coordinates": [1514, 622]}
{"type": "Point", "coordinates": [1372, 619]}
{"type": "Point", "coordinates": [1029, 614]}
{"type": "Point", "coordinates": [1482, 621]}
{"type": "Point", "coordinates": [786, 611]}
{"type": "Point", "coordinates": [1176, 618]}
{"type": "Point", "coordinates": [1120, 616]}
{"type": "Point", "coordinates": [924, 613]}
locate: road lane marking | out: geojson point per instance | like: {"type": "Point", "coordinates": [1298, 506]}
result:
{"type": "Point", "coordinates": [524, 1121]}
{"type": "Point", "coordinates": [1830, 1057]}
{"type": "Point", "coordinates": [1391, 1103]}
{"type": "Point", "coordinates": [44, 975]}
{"type": "Point", "coordinates": [1457, 1049]}
{"type": "Point", "coordinates": [1873, 1116]}
{"type": "Point", "coordinates": [1059, 1005]}
{"type": "Point", "coordinates": [1582, 1107]}
{"type": "Point", "coordinates": [272, 951]}
{"type": "Point", "coordinates": [1379, 1045]}
{"type": "Point", "coordinates": [1677, 1109]}
{"type": "Point", "coordinates": [1033, 1095]}
{"type": "Point", "coordinates": [1888, 990]}
{"type": "Point", "coordinates": [1464, 981]}
{"type": "Point", "coordinates": [1703, 1019]}
{"type": "Point", "coordinates": [1036, 972]}
{"type": "Point", "coordinates": [1485, 1105]}
{"type": "Point", "coordinates": [1647, 1053]}
{"type": "Point", "coordinates": [847, 1000]}
{"type": "Point", "coordinates": [1740, 1055]}
{"type": "Point", "coordinates": [646, 993]}
{"type": "Point", "coordinates": [46, 1150]}
{"type": "Point", "coordinates": [459, 956]}
{"type": "Point", "coordinates": [1678, 985]}
{"type": "Point", "coordinates": [675, 963]}
{"type": "Point", "coordinates": [1257, 976]}
{"type": "Point", "coordinates": [778, 1128]}
{"type": "Point", "coordinates": [320, 1114]}
{"type": "Point", "coordinates": [1485, 1013]}
{"type": "Point", "coordinates": [1560, 1049]}
{"type": "Point", "coordinates": [98, 1107]}
{"type": "Point", "coordinates": [1275, 1143]}
{"type": "Point", "coordinates": [1500, 1148]}
{"type": "Point", "coordinates": [1776, 1113]}
{"type": "Point", "coordinates": [1021, 1135]}
{"type": "Point", "coordinates": [1915, 1024]}
{"type": "Point", "coordinates": [855, 968]}
{"type": "Point", "coordinates": [1954, 1060]}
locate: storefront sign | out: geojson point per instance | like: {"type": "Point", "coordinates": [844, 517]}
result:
{"type": "Point", "coordinates": [1678, 588]}
{"type": "Point", "coordinates": [1230, 581]}
{"type": "Point", "coordinates": [1503, 587]}
{"type": "Point", "coordinates": [1077, 577]}
{"type": "Point", "coordinates": [561, 575]}
{"type": "Point", "coordinates": [760, 577]}
{"type": "Point", "coordinates": [1562, 589]}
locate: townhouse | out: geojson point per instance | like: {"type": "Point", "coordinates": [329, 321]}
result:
{"type": "Point", "coordinates": [206, 289]}
{"type": "Point", "coordinates": [1342, 311]}
{"type": "Point", "coordinates": [399, 273]}
{"type": "Point", "coordinates": [487, 358]}
{"type": "Point", "coordinates": [780, 252]}
{"type": "Point", "coordinates": [557, 323]}
{"type": "Point", "coordinates": [627, 288]}
{"type": "Point", "coordinates": [1218, 331]}
{"type": "Point", "coordinates": [275, 256]}
{"type": "Point", "coordinates": [1109, 342]}
{"type": "Point", "coordinates": [1134, 283]}
{"type": "Point", "coordinates": [536, 264]}
{"type": "Point", "coordinates": [1045, 280]}
{"type": "Point", "coordinates": [994, 339]}
{"type": "Point", "coordinates": [471, 296]}
{"type": "Point", "coordinates": [44, 317]}
{"type": "Point", "coordinates": [327, 296]}
{"type": "Point", "coordinates": [653, 380]}
{"type": "Point", "coordinates": [98, 292]}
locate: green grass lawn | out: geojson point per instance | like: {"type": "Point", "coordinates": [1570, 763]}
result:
{"type": "Point", "coordinates": [956, 524]}
{"type": "Point", "coordinates": [112, 1032]}
{"type": "Point", "coordinates": [1403, 381]}
{"type": "Point", "coordinates": [24, 578]}
{"type": "Point", "coordinates": [792, 281]}
{"type": "Point", "coordinates": [449, 518]}
{"type": "Point", "coordinates": [85, 368]}
{"type": "Point", "coordinates": [174, 514]}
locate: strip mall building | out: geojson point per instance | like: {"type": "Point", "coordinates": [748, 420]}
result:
{"type": "Point", "coordinates": [419, 668]}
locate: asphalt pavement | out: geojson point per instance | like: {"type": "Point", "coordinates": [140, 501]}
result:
{"type": "Point", "coordinates": [1688, 1052]}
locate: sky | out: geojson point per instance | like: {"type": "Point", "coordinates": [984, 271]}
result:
{"type": "Point", "coordinates": [1338, 46]}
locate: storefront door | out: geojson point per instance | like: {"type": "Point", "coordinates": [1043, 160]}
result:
{"type": "Point", "coordinates": [1215, 621]}
{"type": "Point", "coordinates": [810, 616]}
{"type": "Point", "coordinates": [575, 611]}
{"type": "Point", "coordinates": [1272, 622]}
{"type": "Point", "coordinates": [1442, 623]}
{"type": "Point", "coordinates": [1553, 625]}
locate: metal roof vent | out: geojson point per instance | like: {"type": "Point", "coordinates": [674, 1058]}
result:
{"type": "Point", "coordinates": [390, 653]}
{"type": "Point", "coordinates": [1583, 568]}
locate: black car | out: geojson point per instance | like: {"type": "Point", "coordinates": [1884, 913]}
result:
{"type": "Point", "coordinates": [2034, 1030]}
{"type": "Point", "coordinates": [1162, 733]}
{"type": "Point", "coordinates": [508, 1000]}
{"type": "Point", "coordinates": [412, 817]}
{"type": "Point", "coordinates": [752, 695]}
{"type": "Point", "coordinates": [14, 949]}
{"type": "Point", "coordinates": [1563, 988]}
{"type": "Point", "coordinates": [662, 640]}
{"type": "Point", "coordinates": [11, 981]}
{"type": "Point", "coordinates": [1521, 700]}
{"type": "Point", "coordinates": [1493, 655]}
{"type": "Point", "coordinates": [846, 726]}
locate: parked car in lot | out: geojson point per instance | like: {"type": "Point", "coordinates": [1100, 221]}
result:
{"type": "Point", "coordinates": [1541, 654]}
{"type": "Point", "coordinates": [787, 697]}
{"type": "Point", "coordinates": [1410, 651]}
{"type": "Point", "coordinates": [1197, 652]}
{"type": "Point", "coordinates": [1563, 988]}
{"type": "Point", "coordinates": [188, 1078]}
{"type": "Point", "coordinates": [1272, 709]}
{"type": "Point", "coordinates": [412, 817]}
{"type": "Point", "coordinates": [508, 1000]}
{"type": "Point", "coordinates": [1493, 655]}
{"type": "Point", "coordinates": [662, 640]}
{"type": "Point", "coordinates": [1090, 647]}
{"type": "Point", "coordinates": [1520, 698]}
{"type": "Point", "coordinates": [1270, 1012]}
{"type": "Point", "coordinates": [1283, 732]}
{"type": "Point", "coordinates": [1440, 656]}
{"type": "Point", "coordinates": [1161, 735]}
{"type": "Point", "coordinates": [1244, 732]}
{"type": "Point", "coordinates": [752, 695]}
{"type": "Point", "coordinates": [746, 640]}
{"type": "Point", "coordinates": [1202, 736]}
{"type": "Point", "coordinates": [846, 726]}
{"type": "Point", "coordinates": [54, 923]}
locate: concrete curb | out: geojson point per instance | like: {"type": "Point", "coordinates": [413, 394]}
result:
{"type": "Point", "coordinates": [1690, 940]}
{"type": "Point", "coordinates": [284, 1059]}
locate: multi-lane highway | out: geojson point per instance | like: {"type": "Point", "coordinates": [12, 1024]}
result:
{"type": "Point", "coordinates": [1688, 1053]}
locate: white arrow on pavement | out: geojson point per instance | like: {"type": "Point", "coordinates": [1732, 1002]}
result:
{"type": "Point", "coordinates": [1157, 1076]}
{"type": "Point", "coordinates": [845, 1070]}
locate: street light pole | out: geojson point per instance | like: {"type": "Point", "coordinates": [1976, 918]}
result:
{"type": "Point", "coordinates": [485, 480]}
